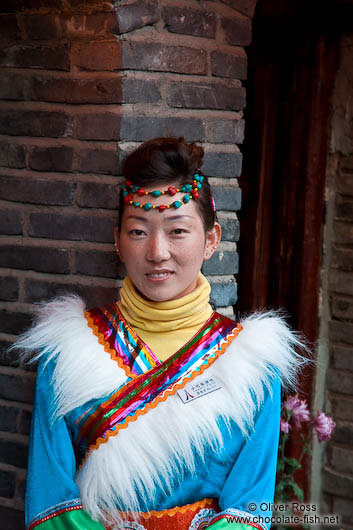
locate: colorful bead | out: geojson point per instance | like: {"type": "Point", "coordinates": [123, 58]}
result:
{"type": "Point", "coordinates": [156, 193]}
{"type": "Point", "coordinates": [162, 207]}
{"type": "Point", "coordinates": [147, 206]}
{"type": "Point", "coordinates": [177, 204]}
{"type": "Point", "coordinates": [186, 198]}
{"type": "Point", "coordinates": [141, 192]}
{"type": "Point", "coordinates": [172, 191]}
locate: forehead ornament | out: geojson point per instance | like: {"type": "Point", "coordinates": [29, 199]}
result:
{"type": "Point", "coordinates": [192, 192]}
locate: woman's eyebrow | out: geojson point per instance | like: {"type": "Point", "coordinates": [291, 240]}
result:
{"type": "Point", "coordinates": [137, 217]}
{"type": "Point", "coordinates": [178, 217]}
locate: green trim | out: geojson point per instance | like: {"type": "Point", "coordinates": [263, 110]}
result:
{"type": "Point", "coordinates": [70, 520]}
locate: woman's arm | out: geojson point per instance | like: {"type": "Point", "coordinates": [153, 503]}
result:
{"type": "Point", "coordinates": [248, 491]}
{"type": "Point", "coordinates": [52, 496]}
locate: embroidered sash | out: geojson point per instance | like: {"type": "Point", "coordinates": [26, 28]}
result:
{"type": "Point", "coordinates": [149, 381]}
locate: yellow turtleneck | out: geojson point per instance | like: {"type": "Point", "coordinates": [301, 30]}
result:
{"type": "Point", "coordinates": [166, 326]}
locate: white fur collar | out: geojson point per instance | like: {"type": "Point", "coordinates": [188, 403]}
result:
{"type": "Point", "coordinates": [139, 457]}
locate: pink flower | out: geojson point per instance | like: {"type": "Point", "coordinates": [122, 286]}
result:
{"type": "Point", "coordinates": [284, 426]}
{"type": "Point", "coordinates": [323, 426]}
{"type": "Point", "coordinates": [299, 409]}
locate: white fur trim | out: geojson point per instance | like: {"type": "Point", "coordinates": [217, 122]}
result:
{"type": "Point", "coordinates": [146, 454]}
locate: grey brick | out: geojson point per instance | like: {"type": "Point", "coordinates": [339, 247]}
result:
{"type": "Point", "coordinates": [10, 222]}
{"type": "Point", "coordinates": [142, 128]}
{"type": "Point", "coordinates": [222, 164]}
{"type": "Point", "coordinates": [230, 229]}
{"type": "Point", "coordinates": [17, 387]}
{"type": "Point", "coordinates": [225, 131]}
{"type": "Point", "coordinates": [224, 294]}
{"type": "Point", "coordinates": [222, 262]}
{"type": "Point", "coordinates": [7, 483]}
{"type": "Point", "coordinates": [8, 288]}
{"type": "Point", "coordinates": [13, 453]}
{"type": "Point", "coordinates": [227, 198]}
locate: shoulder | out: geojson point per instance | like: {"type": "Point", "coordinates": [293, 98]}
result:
{"type": "Point", "coordinates": [62, 338]}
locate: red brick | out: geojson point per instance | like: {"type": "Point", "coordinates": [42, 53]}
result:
{"type": "Point", "coordinates": [36, 56]}
{"type": "Point", "coordinates": [233, 65]}
{"type": "Point", "coordinates": [158, 57]}
{"type": "Point", "coordinates": [10, 6]}
{"type": "Point", "coordinates": [72, 227]}
{"type": "Point", "coordinates": [39, 259]}
{"type": "Point", "coordinates": [35, 123]}
{"type": "Point", "coordinates": [104, 126]}
{"type": "Point", "coordinates": [98, 195]}
{"type": "Point", "coordinates": [51, 158]}
{"type": "Point", "coordinates": [247, 7]}
{"type": "Point", "coordinates": [89, 25]}
{"type": "Point", "coordinates": [98, 55]}
{"type": "Point", "coordinates": [36, 191]}
{"type": "Point", "coordinates": [42, 27]}
{"type": "Point", "coordinates": [79, 90]}
{"type": "Point", "coordinates": [14, 87]}
{"type": "Point", "coordinates": [8, 288]}
{"type": "Point", "coordinates": [237, 30]}
{"type": "Point", "coordinates": [136, 15]}
{"type": "Point", "coordinates": [92, 160]}
{"type": "Point", "coordinates": [206, 96]}
{"type": "Point", "coordinates": [10, 222]}
{"type": "Point", "coordinates": [12, 155]}
{"type": "Point", "coordinates": [198, 23]}
{"type": "Point", "coordinates": [9, 29]}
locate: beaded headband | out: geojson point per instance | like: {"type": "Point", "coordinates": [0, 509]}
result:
{"type": "Point", "coordinates": [191, 190]}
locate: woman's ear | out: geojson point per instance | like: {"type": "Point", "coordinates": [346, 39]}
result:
{"type": "Point", "coordinates": [116, 243]}
{"type": "Point", "coordinates": [213, 239]}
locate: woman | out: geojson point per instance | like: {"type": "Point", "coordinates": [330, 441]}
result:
{"type": "Point", "coordinates": [157, 412]}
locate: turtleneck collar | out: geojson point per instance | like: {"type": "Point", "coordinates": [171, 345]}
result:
{"type": "Point", "coordinates": [189, 311]}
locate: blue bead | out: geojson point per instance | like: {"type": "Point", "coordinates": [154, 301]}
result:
{"type": "Point", "coordinates": [156, 193]}
{"type": "Point", "coordinates": [186, 198]}
{"type": "Point", "coordinates": [188, 188]}
{"type": "Point", "coordinates": [125, 193]}
{"type": "Point", "coordinates": [136, 204]}
{"type": "Point", "coordinates": [199, 186]}
{"type": "Point", "coordinates": [176, 204]}
{"type": "Point", "coordinates": [147, 206]}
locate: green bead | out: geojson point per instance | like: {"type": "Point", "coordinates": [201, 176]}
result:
{"type": "Point", "coordinates": [201, 178]}
{"type": "Point", "coordinates": [136, 204]}
{"type": "Point", "coordinates": [125, 193]}
{"type": "Point", "coordinates": [199, 186]}
{"type": "Point", "coordinates": [186, 198]}
{"type": "Point", "coordinates": [147, 206]}
{"type": "Point", "coordinates": [188, 188]}
{"type": "Point", "coordinates": [176, 204]}
{"type": "Point", "coordinates": [196, 176]}
{"type": "Point", "coordinates": [156, 193]}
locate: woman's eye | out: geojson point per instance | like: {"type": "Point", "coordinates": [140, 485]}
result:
{"type": "Point", "coordinates": [179, 231]}
{"type": "Point", "coordinates": [136, 232]}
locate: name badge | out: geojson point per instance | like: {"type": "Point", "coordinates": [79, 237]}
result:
{"type": "Point", "coordinates": [198, 388]}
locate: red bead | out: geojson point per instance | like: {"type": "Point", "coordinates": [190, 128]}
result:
{"type": "Point", "coordinates": [172, 191]}
{"type": "Point", "coordinates": [162, 207]}
{"type": "Point", "coordinates": [195, 194]}
{"type": "Point", "coordinates": [128, 198]}
{"type": "Point", "coordinates": [128, 183]}
{"type": "Point", "coordinates": [141, 192]}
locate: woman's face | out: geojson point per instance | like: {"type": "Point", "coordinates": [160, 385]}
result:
{"type": "Point", "coordinates": [163, 251]}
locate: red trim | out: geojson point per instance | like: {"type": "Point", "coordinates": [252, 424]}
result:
{"type": "Point", "coordinates": [54, 514]}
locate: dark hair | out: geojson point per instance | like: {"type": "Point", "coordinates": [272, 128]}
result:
{"type": "Point", "coordinates": [162, 161]}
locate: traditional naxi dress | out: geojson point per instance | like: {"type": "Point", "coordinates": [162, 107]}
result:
{"type": "Point", "coordinates": [123, 439]}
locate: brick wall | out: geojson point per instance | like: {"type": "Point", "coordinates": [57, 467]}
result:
{"type": "Point", "coordinates": [83, 82]}
{"type": "Point", "coordinates": [338, 241]}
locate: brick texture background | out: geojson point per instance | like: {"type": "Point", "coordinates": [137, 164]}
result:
{"type": "Point", "coordinates": [338, 470]}
{"type": "Point", "coordinates": [82, 83]}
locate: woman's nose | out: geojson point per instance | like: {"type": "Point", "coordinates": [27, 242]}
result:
{"type": "Point", "coordinates": [158, 248]}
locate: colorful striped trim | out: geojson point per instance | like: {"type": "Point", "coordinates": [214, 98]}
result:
{"type": "Point", "coordinates": [238, 516]}
{"type": "Point", "coordinates": [144, 392]}
{"type": "Point", "coordinates": [54, 511]}
{"type": "Point", "coordinates": [170, 512]}
{"type": "Point", "coordinates": [119, 340]}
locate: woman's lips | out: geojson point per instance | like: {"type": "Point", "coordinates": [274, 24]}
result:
{"type": "Point", "coordinates": [159, 276]}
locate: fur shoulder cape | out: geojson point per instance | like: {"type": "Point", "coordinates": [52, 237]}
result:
{"type": "Point", "coordinates": [262, 351]}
